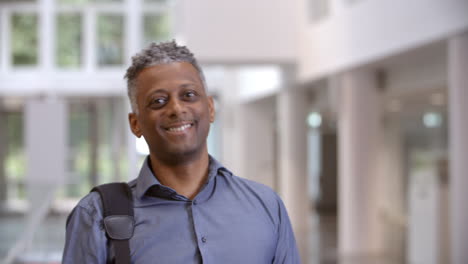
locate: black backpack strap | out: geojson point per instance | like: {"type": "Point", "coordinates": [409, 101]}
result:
{"type": "Point", "coordinates": [118, 217]}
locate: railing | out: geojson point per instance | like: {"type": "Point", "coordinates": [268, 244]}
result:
{"type": "Point", "coordinates": [34, 219]}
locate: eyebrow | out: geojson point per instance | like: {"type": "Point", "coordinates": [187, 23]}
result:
{"type": "Point", "coordinates": [163, 90]}
{"type": "Point", "coordinates": [160, 90]}
{"type": "Point", "coordinates": [185, 85]}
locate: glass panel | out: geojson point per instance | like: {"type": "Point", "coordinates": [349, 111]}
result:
{"type": "Point", "coordinates": [156, 28]}
{"type": "Point", "coordinates": [69, 36]}
{"type": "Point", "coordinates": [110, 40]}
{"type": "Point", "coordinates": [15, 157]}
{"type": "Point", "coordinates": [79, 166]}
{"type": "Point", "coordinates": [97, 147]}
{"type": "Point", "coordinates": [24, 39]}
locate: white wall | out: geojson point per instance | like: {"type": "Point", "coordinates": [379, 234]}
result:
{"type": "Point", "coordinates": [241, 31]}
{"type": "Point", "coordinates": [24, 83]}
{"type": "Point", "coordinates": [369, 30]}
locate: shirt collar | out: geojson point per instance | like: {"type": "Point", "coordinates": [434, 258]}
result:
{"type": "Point", "coordinates": [146, 178]}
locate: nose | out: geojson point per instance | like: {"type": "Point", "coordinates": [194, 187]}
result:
{"type": "Point", "coordinates": [175, 107]}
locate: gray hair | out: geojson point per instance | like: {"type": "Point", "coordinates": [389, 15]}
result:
{"type": "Point", "coordinates": [157, 54]}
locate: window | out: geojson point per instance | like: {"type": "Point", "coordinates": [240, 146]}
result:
{"type": "Point", "coordinates": [156, 28]}
{"type": "Point", "coordinates": [24, 39]}
{"type": "Point", "coordinates": [69, 36]}
{"type": "Point", "coordinates": [110, 40]}
{"type": "Point", "coordinates": [79, 162]}
{"type": "Point", "coordinates": [15, 160]}
{"type": "Point", "coordinates": [97, 151]}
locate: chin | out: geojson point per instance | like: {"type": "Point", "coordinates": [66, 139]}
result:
{"type": "Point", "coordinates": [176, 152]}
{"type": "Point", "coordinates": [183, 152]}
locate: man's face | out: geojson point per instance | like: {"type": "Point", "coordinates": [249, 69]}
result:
{"type": "Point", "coordinates": [174, 110]}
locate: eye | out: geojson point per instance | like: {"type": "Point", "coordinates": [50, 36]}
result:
{"type": "Point", "coordinates": [158, 101]}
{"type": "Point", "coordinates": [190, 95]}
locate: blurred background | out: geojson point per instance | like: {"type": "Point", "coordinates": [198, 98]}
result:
{"type": "Point", "coordinates": [354, 111]}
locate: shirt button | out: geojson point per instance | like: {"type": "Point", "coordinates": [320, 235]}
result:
{"type": "Point", "coordinates": [203, 239]}
{"type": "Point", "coordinates": [194, 202]}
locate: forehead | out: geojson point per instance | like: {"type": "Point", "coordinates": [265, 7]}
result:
{"type": "Point", "coordinates": [169, 72]}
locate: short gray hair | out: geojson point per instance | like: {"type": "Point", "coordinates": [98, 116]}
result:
{"type": "Point", "coordinates": [157, 54]}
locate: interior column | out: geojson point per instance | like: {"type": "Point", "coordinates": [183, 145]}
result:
{"type": "Point", "coordinates": [358, 130]}
{"type": "Point", "coordinates": [458, 140]}
{"type": "Point", "coordinates": [292, 136]}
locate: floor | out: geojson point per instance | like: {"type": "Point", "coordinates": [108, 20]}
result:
{"type": "Point", "coordinates": [323, 243]}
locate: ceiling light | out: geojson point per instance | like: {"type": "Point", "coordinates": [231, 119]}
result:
{"type": "Point", "coordinates": [432, 119]}
{"type": "Point", "coordinates": [314, 120]}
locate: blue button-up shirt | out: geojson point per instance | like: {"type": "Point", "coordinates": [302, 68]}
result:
{"type": "Point", "coordinates": [231, 220]}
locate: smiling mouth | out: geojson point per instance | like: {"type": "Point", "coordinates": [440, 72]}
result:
{"type": "Point", "coordinates": [179, 128]}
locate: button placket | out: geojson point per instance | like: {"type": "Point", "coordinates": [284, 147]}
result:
{"type": "Point", "coordinates": [201, 240]}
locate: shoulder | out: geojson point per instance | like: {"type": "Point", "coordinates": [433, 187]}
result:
{"type": "Point", "coordinates": [89, 206]}
{"type": "Point", "coordinates": [263, 190]}
{"type": "Point", "coordinates": [92, 202]}
{"type": "Point", "coordinates": [255, 190]}
{"type": "Point", "coordinates": [85, 239]}
{"type": "Point", "coordinates": [259, 199]}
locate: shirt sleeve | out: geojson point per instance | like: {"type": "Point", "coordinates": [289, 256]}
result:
{"type": "Point", "coordinates": [286, 249]}
{"type": "Point", "coordinates": [85, 240]}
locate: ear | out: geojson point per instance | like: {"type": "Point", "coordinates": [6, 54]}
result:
{"type": "Point", "coordinates": [211, 109]}
{"type": "Point", "coordinates": [134, 124]}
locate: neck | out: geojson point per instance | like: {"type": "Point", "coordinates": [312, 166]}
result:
{"type": "Point", "coordinates": [185, 176]}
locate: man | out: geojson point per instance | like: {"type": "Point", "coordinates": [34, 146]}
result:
{"type": "Point", "coordinates": [188, 207]}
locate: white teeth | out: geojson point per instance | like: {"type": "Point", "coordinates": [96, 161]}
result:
{"type": "Point", "coordinates": [178, 129]}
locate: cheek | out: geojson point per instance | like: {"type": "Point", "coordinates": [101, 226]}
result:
{"type": "Point", "coordinates": [149, 124]}
{"type": "Point", "coordinates": [205, 122]}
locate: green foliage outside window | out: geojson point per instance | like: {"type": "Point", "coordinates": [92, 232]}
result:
{"type": "Point", "coordinates": [15, 160]}
{"type": "Point", "coordinates": [69, 36]}
{"type": "Point", "coordinates": [79, 151]}
{"type": "Point", "coordinates": [24, 39]}
{"type": "Point", "coordinates": [81, 115]}
{"type": "Point", "coordinates": [156, 28]}
{"type": "Point", "coordinates": [110, 40]}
